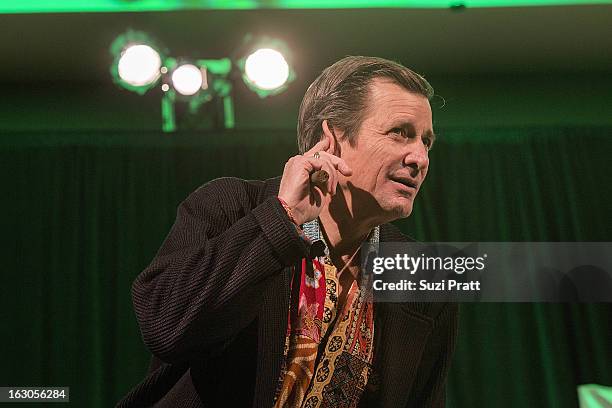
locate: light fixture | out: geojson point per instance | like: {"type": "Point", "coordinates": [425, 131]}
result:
{"type": "Point", "coordinates": [188, 79]}
{"type": "Point", "coordinates": [265, 65]}
{"type": "Point", "coordinates": [266, 69]}
{"type": "Point", "coordinates": [196, 82]}
{"type": "Point", "coordinates": [137, 61]}
{"type": "Point", "coordinates": [139, 64]}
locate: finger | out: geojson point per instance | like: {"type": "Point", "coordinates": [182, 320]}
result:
{"type": "Point", "coordinates": [316, 196]}
{"type": "Point", "coordinates": [333, 174]}
{"type": "Point", "coordinates": [334, 182]}
{"type": "Point", "coordinates": [338, 163]}
{"type": "Point", "coordinates": [326, 163]}
{"type": "Point", "coordinates": [321, 146]}
{"type": "Point", "coordinates": [310, 164]}
{"type": "Point", "coordinates": [335, 185]}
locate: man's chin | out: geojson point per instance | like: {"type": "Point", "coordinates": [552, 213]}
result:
{"type": "Point", "coordinates": [401, 210]}
{"type": "Point", "coordinates": [406, 213]}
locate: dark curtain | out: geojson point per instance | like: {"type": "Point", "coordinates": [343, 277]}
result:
{"type": "Point", "coordinates": [84, 213]}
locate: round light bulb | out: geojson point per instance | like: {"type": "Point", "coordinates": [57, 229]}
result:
{"type": "Point", "coordinates": [139, 65]}
{"type": "Point", "coordinates": [187, 79]}
{"type": "Point", "coordinates": [267, 69]}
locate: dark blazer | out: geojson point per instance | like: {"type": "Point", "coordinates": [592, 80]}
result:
{"type": "Point", "coordinates": [212, 308]}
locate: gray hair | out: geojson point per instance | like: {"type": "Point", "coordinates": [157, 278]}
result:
{"type": "Point", "coordinates": [339, 95]}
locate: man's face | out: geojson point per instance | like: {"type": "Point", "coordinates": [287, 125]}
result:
{"type": "Point", "coordinates": [390, 155]}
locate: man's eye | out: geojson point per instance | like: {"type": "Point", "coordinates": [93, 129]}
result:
{"type": "Point", "coordinates": [399, 131]}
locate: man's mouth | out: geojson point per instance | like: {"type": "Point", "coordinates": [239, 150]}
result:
{"type": "Point", "coordinates": [408, 182]}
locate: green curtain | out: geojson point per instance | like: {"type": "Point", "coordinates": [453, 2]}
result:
{"type": "Point", "coordinates": [83, 213]}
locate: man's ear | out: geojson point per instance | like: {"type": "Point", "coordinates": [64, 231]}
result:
{"type": "Point", "coordinates": [334, 146]}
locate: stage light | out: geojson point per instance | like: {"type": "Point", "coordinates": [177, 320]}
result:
{"type": "Point", "coordinates": [265, 65]}
{"type": "Point", "coordinates": [187, 79]}
{"type": "Point", "coordinates": [139, 65]}
{"type": "Point", "coordinates": [137, 61]}
{"type": "Point", "coordinates": [266, 69]}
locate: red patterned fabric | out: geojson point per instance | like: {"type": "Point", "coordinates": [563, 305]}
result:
{"type": "Point", "coordinates": [344, 360]}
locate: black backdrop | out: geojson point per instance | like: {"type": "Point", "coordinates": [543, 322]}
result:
{"type": "Point", "coordinates": [83, 213]}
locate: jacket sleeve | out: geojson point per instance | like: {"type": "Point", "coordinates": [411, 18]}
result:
{"type": "Point", "coordinates": [430, 387]}
{"type": "Point", "coordinates": [205, 282]}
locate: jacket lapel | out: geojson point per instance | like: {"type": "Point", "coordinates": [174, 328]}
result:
{"type": "Point", "coordinates": [271, 339]}
{"type": "Point", "coordinates": [400, 337]}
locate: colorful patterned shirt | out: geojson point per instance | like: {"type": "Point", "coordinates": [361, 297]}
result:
{"type": "Point", "coordinates": [328, 352]}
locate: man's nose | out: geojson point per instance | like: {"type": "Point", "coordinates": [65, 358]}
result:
{"type": "Point", "coordinates": [417, 158]}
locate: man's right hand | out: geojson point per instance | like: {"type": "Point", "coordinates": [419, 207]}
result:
{"type": "Point", "coordinates": [306, 200]}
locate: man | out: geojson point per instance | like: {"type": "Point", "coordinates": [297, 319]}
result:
{"type": "Point", "coordinates": [256, 297]}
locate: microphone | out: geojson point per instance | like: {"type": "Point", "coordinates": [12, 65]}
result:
{"type": "Point", "coordinates": [317, 249]}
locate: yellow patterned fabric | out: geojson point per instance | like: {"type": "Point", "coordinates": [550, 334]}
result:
{"type": "Point", "coordinates": [328, 360]}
